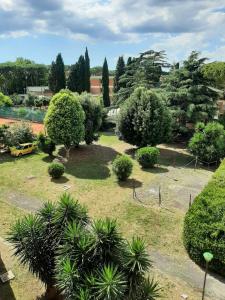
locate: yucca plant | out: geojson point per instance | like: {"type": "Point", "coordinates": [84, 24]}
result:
{"type": "Point", "coordinates": [110, 284]}
{"type": "Point", "coordinates": [38, 238]}
{"type": "Point", "coordinates": [149, 290]}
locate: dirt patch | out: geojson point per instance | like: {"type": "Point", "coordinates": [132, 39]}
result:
{"type": "Point", "coordinates": [24, 202]}
{"type": "Point", "coordinates": [37, 127]}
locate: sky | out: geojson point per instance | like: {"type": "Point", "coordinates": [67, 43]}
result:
{"type": "Point", "coordinates": [39, 29]}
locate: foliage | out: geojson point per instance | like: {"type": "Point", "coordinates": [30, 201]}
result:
{"type": "Point", "coordinates": [208, 142]}
{"type": "Point", "coordinates": [16, 76]}
{"type": "Point", "coordinates": [204, 223]}
{"type": "Point", "coordinates": [221, 119]}
{"type": "Point", "coordinates": [147, 156]}
{"type": "Point", "coordinates": [45, 144]}
{"type": "Point", "coordinates": [18, 133]}
{"type": "Point", "coordinates": [105, 84]}
{"type": "Point", "coordinates": [56, 170]}
{"type": "Point", "coordinates": [214, 72]}
{"type": "Point", "coordinates": [5, 100]}
{"type": "Point", "coordinates": [57, 79]}
{"type": "Point", "coordinates": [97, 71]}
{"type": "Point", "coordinates": [64, 120]}
{"type": "Point", "coordinates": [73, 78]}
{"type": "Point", "coordinates": [93, 117]}
{"type": "Point", "coordinates": [120, 70]}
{"type": "Point", "coordinates": [122, 167]}
{"type": "Point", "coordinates": [84, 262]}
{"type": "Point", "coordinates": [37, 237]}
{"type": "Point", "coordinates": [145, 71]}
{"type": "Point", "coordinates": [144, 119]}
{"type": "Point", "coordinates": [190, 96]}
{"type": "Point", "coordinates": [87, 72]}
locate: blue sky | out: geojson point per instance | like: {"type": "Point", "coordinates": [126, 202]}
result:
{"type": "Point", "coordinates": [39, 29]}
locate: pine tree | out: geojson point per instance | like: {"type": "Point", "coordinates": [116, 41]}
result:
{"type": "Point", "coordinates": [105, 84]}
{"type": "Point", "coordinates": [189, 94]}
{"type": "Point", "coordinates": [73, 79]}
{"type": "Point", "coordinates": [87, 72]}
{"type": "Point", "coordinates": [57, 79]}
{"type": "Point", "coordinates": [81, 73]}
{"type": "Point", "coordinates": [120, 70]}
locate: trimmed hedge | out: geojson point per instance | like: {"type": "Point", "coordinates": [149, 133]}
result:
{"type": "Point", "coordinates": [204, 224]}
{"type": "Point", "coordinates": [56, 170]}
{"type": "Point", "coordinates": [122, 167]}
{"type": "Point", "coordinates": [147, 156]}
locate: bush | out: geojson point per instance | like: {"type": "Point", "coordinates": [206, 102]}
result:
{"type": "Point", "coordinates": [18, 133]}
{"type": "Point", "coordinates": [147, 156]}
{"type": "Point", "coordinates": [204, 223]}
{"type": "Point", "coordinates": [144, 119]}
{"type": "Point", "coordinates": [56, 170]}
{"type": "Point", "coordinates": [122, 167]}
{"type": "Point", "coordinates": [208, 142]}
{"type": "Point", "coordinates": [46, 144]}
{"type": "Point", "coordinates": [5, 100]}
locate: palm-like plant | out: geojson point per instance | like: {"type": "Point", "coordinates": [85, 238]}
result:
{"type": "Point", "coordinates": [149, 290]}
{"type": "Point", "coordinates": [110, 284]}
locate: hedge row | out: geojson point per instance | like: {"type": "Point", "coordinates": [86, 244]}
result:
{"type": "Point", "coordinates": [204, 225]}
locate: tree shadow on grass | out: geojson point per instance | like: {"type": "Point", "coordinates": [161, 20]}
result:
{"type": "Point", "coordinates": [130, 183]}
{"type": "Point", "coordinates": [131, 152]}
{"type": "Point", "coordinates": [155, 170]}
{"type": "Point", "coordinates": [49, 158]}
{"type": "Point", "coordinates": [6, 292]}
{"type": "Point", "coordinates": [89, 162]}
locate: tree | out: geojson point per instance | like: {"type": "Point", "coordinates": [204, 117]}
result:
{"type": "Point", "coordinates": [87, 72]}
{"type": "Point", "coordinates": [57, 79]}
{"type": "Point", "coordinates": [45, 144]}
{"type": "Point", "coordinates": [93, 117]}
{"type": "Point", "coordinates": [144, 119]}
{"type": "Point", "coordinates": [81, 75]}
{"type": "Point", "coordinates": [145, 71]}
{"type": "Point", "coordinates": [64, 120]}
{"type": "Point", "coordinates": [215, 73]}
{"type": "Point", "coordinates": [73, 78]}
{"type": "Point", "coordinates": [83, 259]}
{"type": "Point", "coordinates": [120, 70]}
{"type": "Point", "coordinates": [190, 96]}
{"type": "Point", "coordinates": [105, 84]}
{"type": "Point", "coordinates": [208, 142]}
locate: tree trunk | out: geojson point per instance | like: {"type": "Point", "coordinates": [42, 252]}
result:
{"type": "Point", "coordinates": [67, 153]}
{"type": "Point", "coordinates": [52, 293]}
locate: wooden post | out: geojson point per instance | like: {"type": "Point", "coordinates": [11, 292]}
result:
{"type": "Point", "coordinates": [196, 161]}
{"type": "Point", "coordinates": [134, 192]}
{"type": "Point", "coordinates": [160, 197]}
{"type": "Point", "coordinates": [190, 201]}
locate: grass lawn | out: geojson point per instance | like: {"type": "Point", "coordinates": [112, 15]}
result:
{"type": "Point", "coordinates": [25, 182]}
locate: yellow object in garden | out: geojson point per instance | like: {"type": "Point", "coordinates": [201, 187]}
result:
{"type": "Point", "coordinates": [22, 149]}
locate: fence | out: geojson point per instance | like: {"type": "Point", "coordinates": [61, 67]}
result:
{"type": "Point", "coordinates": [23, 113]}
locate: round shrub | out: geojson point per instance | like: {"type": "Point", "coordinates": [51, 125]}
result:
{"type": "Point", "coordinates": [208, 142]}
{"type": "Point", "coordinates": [122, 167]}
{"type": "Point", "coordinates": [204, 228]}
{"type": "Point", "coordinates": [147, 156]}
{"type": "Point", "coordinates": [56, 170]}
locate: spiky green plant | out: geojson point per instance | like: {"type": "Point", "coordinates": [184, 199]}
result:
{"type": "Point", "coordinates": [149, 290]}
{"type": "Point", "coordinates": [110, 284]}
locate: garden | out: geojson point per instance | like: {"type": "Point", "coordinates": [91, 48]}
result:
{"type": "Point", "coordinates": [122, 199]}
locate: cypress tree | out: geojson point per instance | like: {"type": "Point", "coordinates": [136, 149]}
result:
{"type": "Point", "coordinates": [105, 84]}
{"type": "Point", "coordinates": [73, 79]}
{"type": "Point", "coordinates": [129, 60]}
{"type": "Point", "coordinates": [87, 72]}
{"type": "Point", "coordinates": [57, 78]}
{"type": "Point", "coordinates": [120, 70]}
{"type": "Point", "coordinates": [81, 73]}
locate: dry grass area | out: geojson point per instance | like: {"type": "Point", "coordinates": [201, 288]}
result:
{"type": "Point", "coordinates": [89, 179]}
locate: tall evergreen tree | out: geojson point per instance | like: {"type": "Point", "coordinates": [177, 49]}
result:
{"type": "Point", "coordinates": [105, 84]}
{"type": "Point", "coordinates": [73, 78]}
{"type": "Point", "coordinates": [87, 72]}
{"type": "Point", "coordinates": [57, 78]}
{"type": "Point", "coordinates": [129, 60]}
{"type": "Point", "coordinates": [81, 72]}
{"type": "Point", "coordinates": [120, 70]}
{"type": "Point", "coordinates": [190, 96]}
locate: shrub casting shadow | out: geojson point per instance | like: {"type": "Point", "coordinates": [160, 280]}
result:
{"type": "Point", "coordinates": [6, 288]}
{"type": "Point", "coordinates": [130, 183]}
{"type": "Point", "coordinates": [89, 162]}
{"type": "Point", "coordinates": [49, 158]}
{"type": "Point", "coordinates": [61, 180]}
